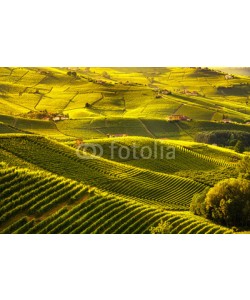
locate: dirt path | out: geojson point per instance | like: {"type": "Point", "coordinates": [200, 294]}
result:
{"type": "Point", "coordinates": [77, 93]}
{"type": "Point", "coordinates": [39, 100]}
{"type": "Point", "coordinates": [179, 107]}
{"type": "Point", "coordinates": [181, 129]}
{"type": "Point", "coordinates": [21, 77]}
{"type": "Point", "coordinates": [147, 130]}
{"type": "Point", "coordinates": [98, 100]}
{"type": "Point", "coordinates": [65, 134]}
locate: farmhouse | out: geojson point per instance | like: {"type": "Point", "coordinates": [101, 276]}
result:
{"type": "Point", "coordinates": [166, 92]}
{"type": "Point", "coordinates": [228, 77]}
{"type": "Point", "coordinates": [178, 118]}
{"type": "Point", "coordinates": [60, 117]}
{"type": "Point", "coordinates": [101, 82]}
{"type": "Point", "coordinates": [55, 119]}
{"type": "Point", "coordinates": [190, 93]}
{"type": "Point", "coordinates": [46, 118]}
{"type": "Point", "coordinates": [117, 135]}
{"type": "Point", "coordinates": [226, 121]}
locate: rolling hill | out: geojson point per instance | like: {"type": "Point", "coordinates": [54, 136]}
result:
{"type": "Point", "coordinates": [47, 112]}
{"type": "Point", "coordinates": [39, 202]}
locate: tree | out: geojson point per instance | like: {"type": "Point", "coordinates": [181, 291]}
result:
{"type": "Point", "coordinates": [243, 167]}
{"type": "Point", "coordinates": [239, 147]}
{"type": "Point", "coordinates": [105, 75]}
{"type": "Point", "coordinates": [162, 228]}
{"type": "Point", "coordinates": [197, 205]}
{"type": "Point", "coordinates": [228, 202]}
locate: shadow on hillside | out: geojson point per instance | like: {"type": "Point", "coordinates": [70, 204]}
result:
{"type": "Point", "coordinates": [236, 90]}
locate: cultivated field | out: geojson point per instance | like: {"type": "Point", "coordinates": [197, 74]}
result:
{"type": "Point", "coordinates": [46, 113]}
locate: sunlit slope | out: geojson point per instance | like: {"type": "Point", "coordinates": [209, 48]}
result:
{"type": "Point", "coordinates": [100, 127]}
{"type": "Point", "coordinates": [202, 94]}
{"type": "Point", "coordinates": [39, 202]}
{"type": "Point", "coordinates": [166, 156]}
{"type": "Point", "coordinates": [157, 188]}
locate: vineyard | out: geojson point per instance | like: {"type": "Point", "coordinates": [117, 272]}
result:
{"type": "Point", "coordinates": [39, 202]}
{"type": "Point", "coordinates": [116, 178]}
{"type": "Point", "coordinates": [47, 186]}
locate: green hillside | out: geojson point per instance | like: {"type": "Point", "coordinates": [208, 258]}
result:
{"type": "Point", "coordinates": [38, 202]}
{"type": "Point", "coordinates": [120, 92]}
{"type": "Point", "coordinates": [107, 175]}
{"type": "Point", "coordinates": [48, 186]}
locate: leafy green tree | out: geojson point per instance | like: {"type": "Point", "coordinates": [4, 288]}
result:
{"type": "Point", "coordinates": [239, 147]}
{"type": "Point", "coordinates": [197, 205]}
{"type": "Point", "coordinates": [228, 202]}
{"type": "Point", "coordinates": [243, 167]}
{"type": "Point", "coordinates": [163, 227]}
{"type": "Point", "coordinates": [105, 75]}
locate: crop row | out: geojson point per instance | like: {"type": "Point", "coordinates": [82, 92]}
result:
{"type": "Point", "coordinates": [35, 193]}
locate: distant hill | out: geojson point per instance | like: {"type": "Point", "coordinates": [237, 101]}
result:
{"type": "Point", "coordinates": [237, 71]}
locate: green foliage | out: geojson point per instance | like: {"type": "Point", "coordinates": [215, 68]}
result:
{"type": "Point", "coordinates": [228, 202]}
{"type": "Point", "coordinates": [22, 191]}
{"type": "Point", "coordinates": [162, 228]}
{"type": "Point", "coordinates": [243, 167]}
{"type": "Point", "coordinates": [225, 138]}
{"type": "Point", "coordinates": [115, 178]}
{"type": "Point", "coordinates": [197, 205]}
{"type": "Point", "coordinates": [109, 101]}
{"type": "Point", "coordinates": [239, 147]}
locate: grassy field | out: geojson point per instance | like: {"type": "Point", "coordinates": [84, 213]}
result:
{"type": "Point", "coordinates": [46, 188]}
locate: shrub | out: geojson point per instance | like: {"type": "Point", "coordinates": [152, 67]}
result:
{"type": "Point", "coordinates": [239, 147]}
{"type": "Point", "coordinates": [106, 75]}
{"type": "Point", "coordinates": [162, 228]}
{"type": "Point", "coordinates": [244, 167]}
{"type": "Point", "coordinates": [228, 202]}
{"type": "Point", "coordinates": [197, 205]}
{"type": "Point", "coordinates": [223, 137]}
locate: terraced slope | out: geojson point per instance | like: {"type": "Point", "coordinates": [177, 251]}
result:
{"type": "Point", "coordinates": [36, 202]}
{"type": "Point", "coordinates": [169, 191]}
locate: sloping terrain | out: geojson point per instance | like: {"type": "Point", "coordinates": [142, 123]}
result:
{"type": "Point", "coordinates": [115, 178]}
{"type": "Point", "coordinates": [38, 202]}
{"type": "Point", "coordinates": [46, 113]}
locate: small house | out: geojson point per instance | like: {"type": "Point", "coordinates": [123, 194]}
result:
{"type": "Point", "coordinates": [56, 119]}
{"type": "Point", "coordinates": [165, 92]}
{"type": "Point", "coordinates": [179, 118]}
{"type": "Point", "coordinates": [46, 118]}
{"type": "Point", "coordinates": [64, 118]}
{"type": "Point", "coordinates": [60, 117]}
{"type": "Point", "coordinates": [227, 77]}
{"type": "Point", "coordinates": [118, 135]}
{"type": "Point", "coordinates": [226, 121]}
